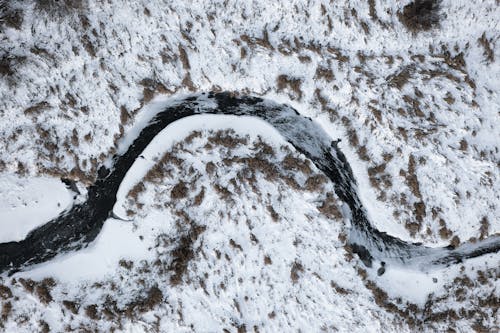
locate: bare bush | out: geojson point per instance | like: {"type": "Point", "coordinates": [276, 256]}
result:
{"type": "Point", "coordinates": [420, 15]}
{"type": "Point", "coordinates": [60, 7]}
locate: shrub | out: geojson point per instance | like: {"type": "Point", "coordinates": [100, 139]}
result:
{"type": "Point", "coordinates": [420, 15]}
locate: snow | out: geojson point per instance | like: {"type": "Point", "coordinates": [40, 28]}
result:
{"type": "Point", "coordinates": [244, 47]}
{"type": "Point", "coordinates": [251, 126]}
{"type": "Point", "coordinates": [26, 203]}
{"type": "Point", "coordinates": [116, 240]}
{"type": "Point", "coordinates": [325, 35]}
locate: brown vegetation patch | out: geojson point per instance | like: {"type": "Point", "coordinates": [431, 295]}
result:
{"type": "Point", "coordinates": [315, 183]}
{"type": "Point", "coordinates": [324, 73]}
{"type": "Point", "coordinates": [484, 229]}
{"type": "Point", "coordinates": [8, 63]}
{"type": "Point", "coordinates": [179, 191]}
{"type": "Point", "coordinates": [338, 288]}
{"type": "Point", "coordinates": [330, 208]}
{"type": "Point", "coordinates": [488, 50]}
{"type": "Point", "coordinates": [235, 245]}
{"type": "Point", "coordinates": [267, 168]}
{"type": "Point", "coordinates": [152, 299]}
{"type": "Point", "coordinates": [227, 139]}
{"type": "Point", "coordinates": [89, 46]}
{"type": "Point", "coordinates": [12, 17]}
{"type": "Point", "coordinates": [43, 289]}
{"type": "Point", "coordinates": [295, 271]}
{"type": "Point", "coordinates": [296, 164]}
{"type": "Point", "coordinates": [198, 199]}
{"type": "Point", "coordinates": [5, 292]}
{"type": "Point", "coordinates": [61, 7]}
{"type": "Point", "coordinates": [6, 310]}
{"type": "Point", "coordinates": [419, 211]}
{"type": "Point", "coordinates": [273, 213]}
{"type": "Point", "coordinates": [411, 177]}
{"type": "Point", "coordinates": [28, 284]}
{"type": "Point", "coordinates": [183, 253]}
{"type": "Point", "coordinates": [263, 149]}
{"type": "Point", "coordinates": [184, 58]}
{"type": "Point", "coordinates": [136, 190]}
{"type": "Point", "coordinates": [36, 109]}
{"type": "Point", "coordinates": [193, 135]}
{"type": "Point", "coordinates": [293, 84]}
{"type": "Point", "coordinates": [444, 232]}
{"type": "Point", "coordinates": [400, 79]}
{"type": "Point", "coordinates": [71, 306]}
{"type": "Point", "coordinates": [91, 312]}
{"type": "Point", "coordinates": [256, 41]}
{"type": "Point", "coordinates": [420, 15]}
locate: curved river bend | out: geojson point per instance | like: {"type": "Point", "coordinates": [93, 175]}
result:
{"type": "Point", "coordinates": [78, 226]}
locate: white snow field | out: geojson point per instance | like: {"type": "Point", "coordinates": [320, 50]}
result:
{"type": "Point", "coordinates": [26, 203]}
{"type": "Point", "coordinates": [223, 226]}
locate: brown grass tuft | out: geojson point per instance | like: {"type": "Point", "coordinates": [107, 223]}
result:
{"type": "Point", "coordinates": [488, 50]}
{"type": "Point", "coordinates": [286, 82]}
{"type": "Point", "coordinates": [295, 271]}
{"type": "Point", "coordinates": [420, 15]}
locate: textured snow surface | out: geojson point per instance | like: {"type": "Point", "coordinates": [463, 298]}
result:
{"type": "Point", "coordinates": [420, 110]}
{"type": "Point", "coordinates": [26, 203]}
{"type": "Point", "coordinates": [417, 113]}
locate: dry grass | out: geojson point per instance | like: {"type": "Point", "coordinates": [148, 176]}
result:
{"type": "Point", "coordinates": [227, 138]}
{"type": "Point", "coordinates": [11, 17]}
{"type": "Point", "coordinates": [91, 312]}
{"type": "Point", "coordinates": [293, 84]}
{"type": "Point", "coordinates": [488, 50]}
{"type": "Point", "coordinates": [330, 208]}
{"type": "Point", "coordinates": [5, 292]}
{"type": "Point", "coordinates": [179, 191]}
{"type": "Point", "coordinates": [184, 58]}
{"type": "Point", "coordinates": [401, 78]}
{"type": "Point", "coordinates": [43, 290]}
{"type": "Point", "coordinates": [58, 8]}
{"type": "Point", "coordinates": [296, 271]}
{"type": "Point", "coordinates": [324, 73]}
{"type": "Point", "coordinates": [71, 306]}
{"type": "Point", "coordinates": [258, 41]}
{"type": "Point", "coordinates": [183, 253]}
{"type": "Point", "coordinates": [6, 310]}
{"type": "Point", "coordinates": [420, 15]}
{"type": "Point", "coordinates": [36, 109]}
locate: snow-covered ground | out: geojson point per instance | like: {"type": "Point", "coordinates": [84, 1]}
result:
{"type": "Point", "coordinates": [254, 250]}
{"type": "Point", "coordinates": [26, 203]}
{"type": "Point", "coordinates": [417, 112]}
